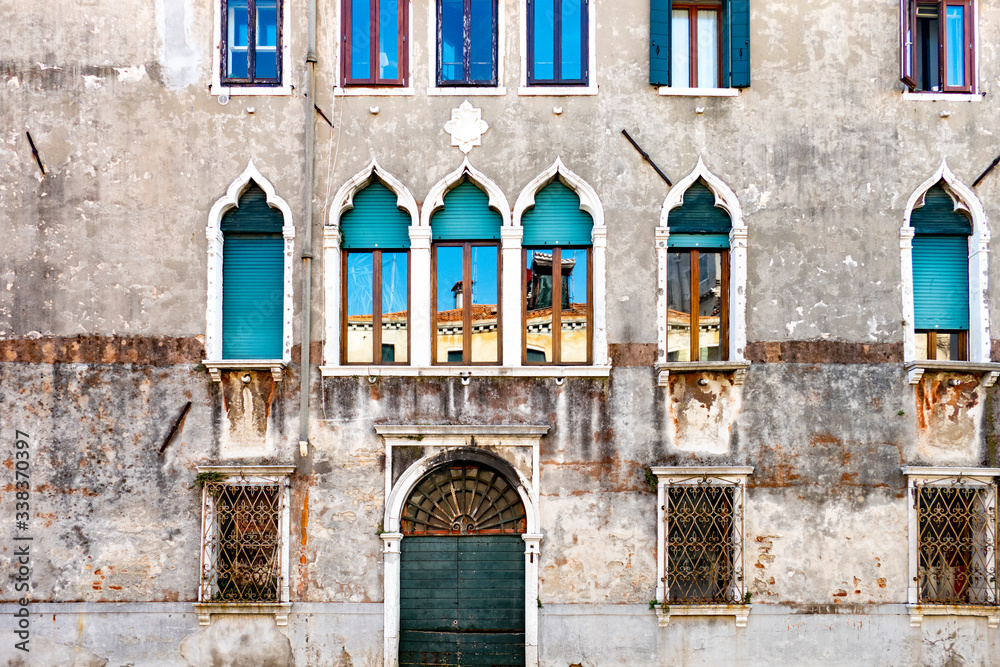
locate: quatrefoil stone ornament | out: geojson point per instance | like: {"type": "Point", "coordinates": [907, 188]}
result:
{"type": "Point", "coordinates": [466, 127]}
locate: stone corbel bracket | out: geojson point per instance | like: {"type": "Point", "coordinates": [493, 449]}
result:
{"type": "Point", "coordinates": [989, 372]}
{"type": "Point", "coordinates": [215, 368]}
{"type": "Point", "coordinates": [737, 368]}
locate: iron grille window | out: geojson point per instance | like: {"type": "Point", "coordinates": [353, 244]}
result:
{"type": "Point", "coordinates": [956, 542]}
{"type": "Point", "coordinates": [244, 534]}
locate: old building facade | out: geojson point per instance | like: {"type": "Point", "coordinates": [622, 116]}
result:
{"type": "Point", "coordinates": [545, 332]}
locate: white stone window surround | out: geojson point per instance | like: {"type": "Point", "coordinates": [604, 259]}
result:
{"type": "Point", "coordinates": [468, 439]}
{"type": "Point", "coordinates": [670, 91]}
{"type": "Point", "coordinates": [979, 477]}
{"type": "Point", "coordinates": [694, 475]}
{"type": "Point", "coordinates": [463, 91]}
{"type": "Point", "coordinates": [560, 91]}
{"type": "Point", "coordinates": [975, 95]}
{"type": "Point", "coordinates": [725, 199]}
{"type": "Point", "coordinates": [373, 91]}
{"type": "Point", "coordinates": [252, 474]}
{"type": "Point", "coordinates": [979, 249]}
{"type": "Point", "coordinates": [214, 360]}
{"type": "Point", "coordinates": [216, 88]}
{"type": "Point", "coordinates": [420, 271]}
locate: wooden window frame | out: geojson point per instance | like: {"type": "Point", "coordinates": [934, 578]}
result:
{"type": "Point", "coordinates": [557, 79]}
{"type": "Point", "coordinates": [692, 10]}
{"type": "Point", "coordinates": [466, 302]}
{"type": "Point", "coordinates": [467, 80]}
{"type": "Point", "coordinates": [251, 79]}
{"type": "Point", "coordinates": [694, 352]}
{"type": "Point", "coordinates": [963, 343]}
{"type": "Point", "coordinates": [402, 45]}
{"type": "Point", "coordinates": [376, 308]}
{"type": "Point", "coordinates": [557, 307]}
{"type": "Point", "coordinates": [908, 61]}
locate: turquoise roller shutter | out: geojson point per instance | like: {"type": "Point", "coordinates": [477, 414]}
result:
{"type": "Point", "coordinates": [699, 214]}
{"type": "Point", "coordinates": [938, 215]}
{"type": "Point", "coordinates": [659, 41]}
{"type": "Point", "coordinates": [941, 282]}
{"type": "Point", "coordinates": [698, 241]}
{"type": "Point", "coordinates": [556, 219]}
{"type": "Point", "coordinates": [253, 215]}
{"type": "Point", "coordinates": [736, 46]}
{"type": "Point", "coordinates": [375, 221]}
{"type": "Point", "coordinates": [466, 216]}
{"type": "Point", "coordinates": [252, 296]}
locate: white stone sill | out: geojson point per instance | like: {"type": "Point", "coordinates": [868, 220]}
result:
{"type": "Point", "coordinates": [739, 612]}
{"type": "Point", "coordinates": [943, 97]}
{"type": "Point", "coordinates": [557, 91]}
{"type": "Point", "coordinates": [373, 92]}
{"type": "Point", "coordinates": [215, 368]}
{"type": "Point", "coordinates": [670, 91]}
{"type": "Point", "coordinates": [466, 371]}
{"type": "Point", "coordinates": [279, 610]}
{"type": "Point", "coordinates": [257, 91]}
{"type": "Point", "coordinates": [934, 472]}
{"type": "Point", "coordinates": [918, 611]}
{"type": "Point", "coordinates": [916, 369]}
{"type": "Point", "coordinates": [665, 368]}
{"type": "Point", "coordinates": [434, 91]}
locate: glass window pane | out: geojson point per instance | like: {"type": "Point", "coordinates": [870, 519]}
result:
{"type": "Point", "coordinates": [680, 59]}
{"type": "Point", "coordinates": [448, 322]}
{"type": "Point", "coordinates": [267, 23]}
{"type": "Point", "coordinates": [361, 30]}
{"type": "Point", "coordinates": [388, 39]}
{"type": "Point", "coordinates": [921, 341]}
{"type": "Point", "coordinates": [544, 39]}
{"type": "Point", "coordinates": [482, 35]}
{"type": "Point", "coordinates": [955, 40]}
{"type": "Point", "coordinates": [572, 40]}
{"type": "Point", "coordinates": [451, 40]}
{"type": "Point", "coordinates": [709, 305]}
{"type": "Point", "coordinates": [928, 73]}
{"type": "Point", "coordinates": [573, 324]}
{"type": "Point", "coordinates": [395, 327]}
{"type": "Point", "coordinates": [708, 49]}
{"type": "Point", "coordinates": [485, 342]}
{"type": "Point", "coordinates": [237, 25]}
{"type": "Point", "coordinates": [538, 323]}
{"type": "Point", "coordinates": [360, 307]}
{"type": "Point", "coordinates": [266, 64]}
{"type": "Point", "coordinates": [679, 306]}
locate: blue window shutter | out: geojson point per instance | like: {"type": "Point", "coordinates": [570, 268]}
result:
{"type": "Point", "coordinates": [941, 282]}
{"type": "Point", "coordinates": [466, 216]}
{"type": "Point", "coordinates": [659, 41]}
{"type": "Point", "coordinates": [938, 215]}
{"type": "Point", "coordinates": [252, 296]}
{"type": "Point", "coordinates": [698, 241]}
{"type": "Point", "coordinates": [737, 25]}
{"type": "Point", "coordinates": [699, 214]}
{"type": "Point", "coordinates": [376, 221]}
{"type": "Point", "coordinates": [556, 219]}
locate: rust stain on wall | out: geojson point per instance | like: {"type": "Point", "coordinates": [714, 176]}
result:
{"type": "Point", "coordinates": [251, 400]}
{"type": "Point", "coordinates": [146, 350]}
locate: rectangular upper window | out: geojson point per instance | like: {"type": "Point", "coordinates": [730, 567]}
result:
{"type": "Point", "coordinates": [374, 34]}
{"type": "Point", "coordinates": [558, 48]}
{"type": "Point", "coordinates": [937, 45]}
{"type": "Point", "coordinates": [251, 46]}
{"type": "Point", "coordinates": [700, 44]}
{"type": "Point", "coordinates": [467, 43]}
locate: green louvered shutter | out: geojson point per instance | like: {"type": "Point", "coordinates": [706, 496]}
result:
{"type": "Point", "coordinates": [252, 296]}
{"type": "Point", "coordinates": [375, 221]}
{"type": "Point", "coordinates": [938, 215]}
{"type": "Point", "coordinates": [466, 216]}
{"type": "Point", "coordinates": [736, 38]}
{"type": "Point", "coordinates": [660, 12]}
{"type": "Point", "coordinates": [556, 219]}
{"type": "Point", "coordinates": [941, 282]}
{"type": "Point", "coordinates": [698, 222]}
{"type": "Point", "coordinates": [698, 241]}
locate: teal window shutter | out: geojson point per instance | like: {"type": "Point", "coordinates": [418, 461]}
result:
{"type": "Point", "coordinates": [466, 216]}
{"type": "Point", "coordinates": [938, 215]}
{"type": "Point", "coordinates": [659, 41]}
{"type": "Point", "coordinates": [698, 241]}
{"type": "Point", "coordinates": [941, 282]}
{"type": "Point", "coordinates": [376, 221]}
{"type": "Point", "coordinates": [736, 56]}
{"type": "Point", "coordinates": [556, 219]}
{"type": "Point", "coordinates": [698, 214]}
{"type": "Point", "coordinates": [252, 215]}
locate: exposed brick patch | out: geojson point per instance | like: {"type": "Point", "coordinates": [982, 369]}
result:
{"type": "Point", "coordinates": [633, 354]}
{"type": "Point", "coordinates": [995, 350]}
{"type": "Point", "coordinates": [146, 350]}
{"type": "Point", "coordinates": [315, 353]}
{"type": "Point", "coordinates": [824, 352]}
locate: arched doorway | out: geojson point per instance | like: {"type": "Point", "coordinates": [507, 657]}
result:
{"type": "Point", "coordinates": [462, 577]}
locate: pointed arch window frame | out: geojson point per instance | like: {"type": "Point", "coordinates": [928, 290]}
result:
{"type": "Point", "coordinates": [727, 200]}
{"type": "Point", "coordinates": [214, 360]}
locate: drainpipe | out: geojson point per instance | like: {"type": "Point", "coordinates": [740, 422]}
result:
{"type": "Point", "coordinates": [307, 241]}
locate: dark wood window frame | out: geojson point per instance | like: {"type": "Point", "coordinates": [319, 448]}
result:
{"type": "Point", "coordinates": [251, 79]}
{"type": "Point", "coordinates": [692, 10]}
{"type": "Point", "coordinates": [466, 302]}
{"type": "Point", "coordinates": [402, 45]}
{"type": "Point", "coordinates": [695, 348]}
{"type": "Point", "coordinates": [376, 308]}
{"type": "Point", "coordinates": [557, 307]}
{"type": "Point", "coordinates": [908, 37]}
{"type": "Point", "coordinates": [963, 343]}
{"type": "Point", "coordinates": [467, 79]}
{"type": "Point", "coordinates": [557, 79]}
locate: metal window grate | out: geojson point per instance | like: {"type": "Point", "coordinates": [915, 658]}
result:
{"type": "Point", "coordinates": [242, 542]}
{"type": "Point", "coordinates": [704, 529]}
{"type": "Point", "coordinates": [957, 539]}
{"type": "Point", "coordinates": [462, 500]}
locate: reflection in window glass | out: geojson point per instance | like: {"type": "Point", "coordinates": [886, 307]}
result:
{"type": "Point", "coordinates": [395, 327]}
{"type": "Point", "coordinates": [544, 33]}
{"type": "Point", "coordinates": [451, 39]}
{"type": "Point", "coordinates": [539, 305]}
{"type": "Point", "coordinates": [266, 56]}
{"type": "Point", "coordinates": [481, 38]}
{"type": "Point", "coordinates": [709, 305]}
{"type": "Point", "coordinates": [679, 306]}
{"type": "Point", "coordinates": [708, 49]}
{"type": "Point", "coordinates": [572, 40]}
{"type": "Point", "coordinates": [485, 341]}
{"type": "Point", "coordinates": [449, 320]}
{"type": "Point", "coordinates": [573, 315]}
{"type": "Point", "coordinates": [680, 59]}
{"type": "Point", "coordinates": [238, 24]}
{"type": "Point", "coordinates": [360, 308]}
{"type": "Point", "coordinates": [955, 40]}
{"type": "Point", "coordinates": [388, 40]}
{"type": "Point", "coordinates": [360, 46]}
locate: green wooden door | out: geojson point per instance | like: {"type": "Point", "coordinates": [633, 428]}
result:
{"type": "Point", "coordinates": [462, 600]}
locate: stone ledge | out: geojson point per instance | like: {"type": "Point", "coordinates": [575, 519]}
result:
{"type": "Point", "coordinates": [739, 612]}
{"type": "Point", "coordinates": [279, 610]}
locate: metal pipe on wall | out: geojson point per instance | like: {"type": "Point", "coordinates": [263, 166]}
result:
{"type": "Point", "coordinates": [307, 256]}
